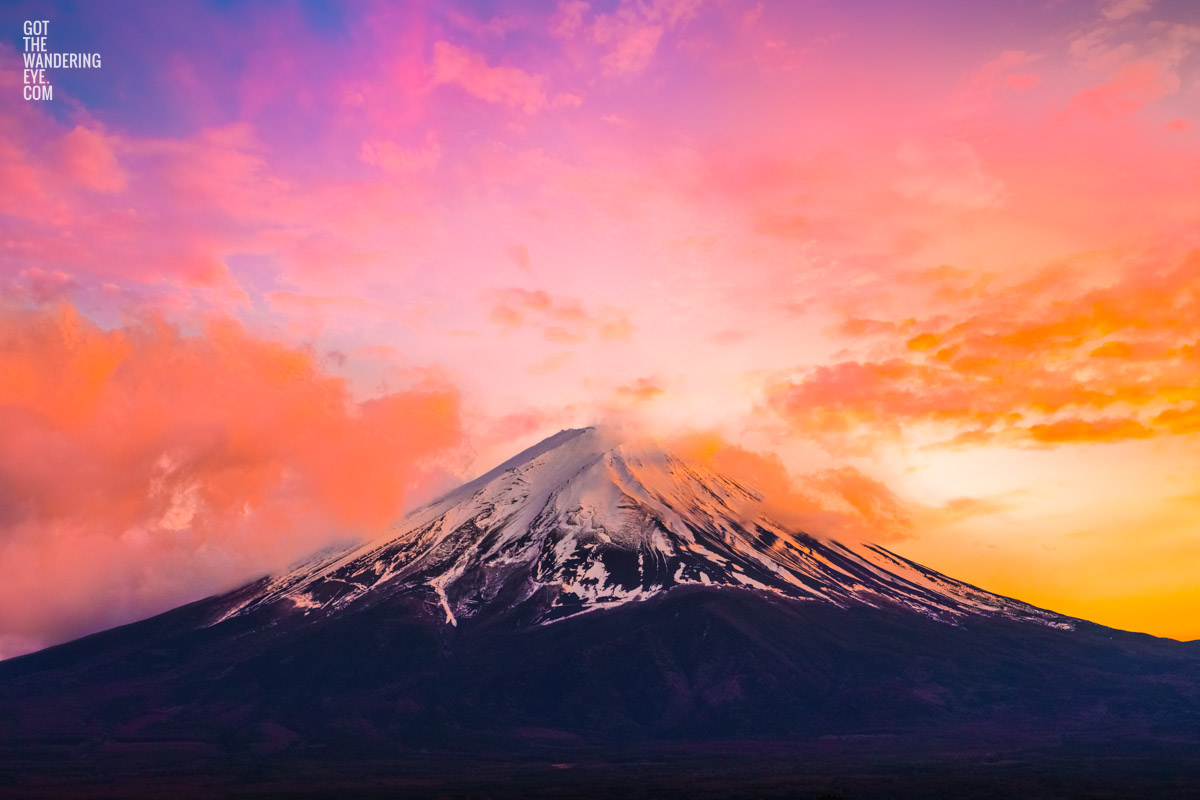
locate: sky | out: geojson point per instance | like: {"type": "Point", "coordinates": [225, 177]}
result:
{"type": "Point", "coordinates": [275, 272]}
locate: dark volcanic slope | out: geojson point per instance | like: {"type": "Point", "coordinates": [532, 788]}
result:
{"type": "Point", "coordinates": [674, 677]}
{"type": "Point", "coordinates": [461, 668]}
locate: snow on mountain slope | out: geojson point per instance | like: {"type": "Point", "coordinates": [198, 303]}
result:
{"type": "Point", "coordinates": [578, 523]}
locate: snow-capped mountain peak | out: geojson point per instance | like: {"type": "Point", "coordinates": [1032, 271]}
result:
{"type": "Point", "coordinates": [580, 522]}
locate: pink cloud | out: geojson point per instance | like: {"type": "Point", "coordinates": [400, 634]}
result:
{"type": "Point", "coordinates": [632, 48]}
{"type": "Point", "coordinates": [562, 320]}
{"type": "Point", "coordinates": [1001, 70]}
{"type": "Point", "coordinates": [1127, 90]}
{"type": "Point", "coordinates": [88, 157]}
{"type": "Point", "coordinates": [391, 157]}
{"type": "Point", "coordinates": [567, 19]}
{"type": "Point", "coordinates": [947, 173]}
{"type": "Point", "coordinates": [1120, 9]}
{"type": "Point", "coordinates": [1021, 81]}
{"type": "Point", "coordinates": [497, 27]}
{"type": "Point", "coordinates": [630, 35]}
{"type": "Point", "coordinates": [505, 85]}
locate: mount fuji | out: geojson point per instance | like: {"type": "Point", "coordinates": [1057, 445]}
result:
{"type": "Point", "coordinates": [579, 523]}
{"type": "Point", "coordinates": [595, 618]}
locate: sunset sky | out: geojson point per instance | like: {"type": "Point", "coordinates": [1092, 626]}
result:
{"type": "Point", "coordinates": [277, 271]}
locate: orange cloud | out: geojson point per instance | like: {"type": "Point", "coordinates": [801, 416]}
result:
{"type": "Point", "coordinates": [959, 508]}
{"type": "Point", "coordinates": [641, 390]}
{"type": "Point", "coordinates": [1080, 430]}
{"type": "Point", "coordinates": [843, 503]}
{"type": "Point", "coordinates": [141, 467]}
{"type": "Point", "coordinates": [1047, 361]}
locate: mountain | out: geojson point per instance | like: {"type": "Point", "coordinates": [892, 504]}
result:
{"type": "Point", "coordinates": [594, 617]}
{"type": "Point", "coordinates": [578, 523]}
